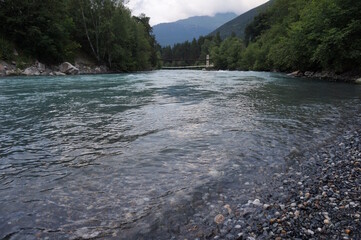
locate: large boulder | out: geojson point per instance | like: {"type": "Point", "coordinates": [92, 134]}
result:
{"type": "Point", "coordinates": [41, 67]}
{"type": "Point", "coordinates": [68, 68]}
{"type": "Point", "coordinates": [296, 74]}
{"type": "Point", "coordinates": [13, 72]}
{"type": "Point", "coordinates": [31, 71]}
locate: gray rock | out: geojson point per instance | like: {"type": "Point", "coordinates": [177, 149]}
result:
{"type": "Point", "coordinates": [86, 233]}
{"type": "Point", "coordinates": [40, 66]}
{"type": "Point", "coordinates": [59, 74]}
{"type": "Point", "coordinates": [296, 74]}
{"type": "Point", "coordinates": [68, 69]}
{"type": "Point", "coordinates": [11, 72]}
{"type": "Point", "coordinates": [31, 71]}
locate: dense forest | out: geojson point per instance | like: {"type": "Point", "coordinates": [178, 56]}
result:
{"type": "Point", "coordinates": [290, 35]}
{"type": "Point", "coordinates": [53, 31]}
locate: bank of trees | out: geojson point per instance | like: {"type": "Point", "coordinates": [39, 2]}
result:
{"type": "Point", "coordinates": [54, 31]}
{"type": "Point", "coordinates": [292, 35]}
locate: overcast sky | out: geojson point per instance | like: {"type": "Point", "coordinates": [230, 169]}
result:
{"type": "Point", "coordinates": [161, 11]}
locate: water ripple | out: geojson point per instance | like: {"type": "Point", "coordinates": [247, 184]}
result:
{"type": "Point", "coordinates": [107, 151]}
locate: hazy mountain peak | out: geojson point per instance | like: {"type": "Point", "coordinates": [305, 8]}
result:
{"type": "Point", "coordinates": [187, 29]}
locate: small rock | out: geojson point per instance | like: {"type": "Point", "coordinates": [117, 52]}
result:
{"type": "Point", "coordinates": [272, 220]}
{"type": "Point", "coordinates": [219, 219]}
{"type": "Point", "coordinates": [266, 206]}
{"type": "Point", "coordinates": [86, 233]}
{"type": "Point", "coordinates": [256, 202]}
{"type": "Point", "coordinates": [326, 221]}
{"type": "Point", "coordinates": [228, 208]}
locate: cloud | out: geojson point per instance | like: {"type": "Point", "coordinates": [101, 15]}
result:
{"type": "Point", "coordinates": [171, 10]}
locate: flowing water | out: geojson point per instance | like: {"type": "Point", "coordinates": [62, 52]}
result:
{"type": "Point", "coordinates": [109, 155]}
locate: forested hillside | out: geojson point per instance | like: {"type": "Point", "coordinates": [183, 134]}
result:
{"type": "Point", "coordinates": [55, 31]}
{"type": "Point", "coordinates": [314, 35]}
{"type": "Point", "coordinates": [238, 24]}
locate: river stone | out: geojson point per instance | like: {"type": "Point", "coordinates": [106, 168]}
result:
{"type": "Point", "coordinates": [59, 74]}
{"type": "Point", "coordinates": [228, 208]}
{"type": "Point", "coordinates": [296, 74]}
{"type": "Point", "coordinates": [41, 67]}
{"type": "Point", "coordinates": [257, 202]}
{"type": "Point", "coordinates": [358, 81]}
{"type": "Point", "coordinates": [68, 68]}
{"type": "Point", "coordinates": [31, 71]}
{"type": "Point", "coordinates": [86, 233]}
{"type": "Point", "coordinates": [219, 219]}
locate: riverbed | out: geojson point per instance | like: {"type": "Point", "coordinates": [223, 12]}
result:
{"type": "Point", "coordinates": [131, 155]}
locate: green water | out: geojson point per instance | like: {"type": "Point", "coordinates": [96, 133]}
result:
{"type": "Point", "coordinates": [109, 153]}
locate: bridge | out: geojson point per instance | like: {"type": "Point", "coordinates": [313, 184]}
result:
{"type": "Point", "coordinates": [207, 66]}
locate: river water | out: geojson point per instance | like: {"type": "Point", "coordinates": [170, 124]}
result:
{"type": "Point", "coordinates": [109, 155]}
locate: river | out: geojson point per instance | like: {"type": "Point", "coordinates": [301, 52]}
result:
{"type": "Point", "coordinates": [113, 156]}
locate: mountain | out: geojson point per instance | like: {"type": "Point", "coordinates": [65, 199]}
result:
{"type": "Point", "coordinates": [187, 29]}
{"type": "Point", "coordinates": [239, 24]}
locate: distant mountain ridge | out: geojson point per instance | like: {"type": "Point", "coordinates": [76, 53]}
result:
{"type": "Point", "coordinates": [187, 29]}
{"type": "Point", "coordinates": [239, 24]}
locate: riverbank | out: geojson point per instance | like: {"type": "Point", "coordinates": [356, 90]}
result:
{"type": "Point", "coordinates": [81, 66]}
{"type": "Point", "coordinates": [316, 195]}
{"type": "Point", "coordinates": [317, 198]}
{"type": "Point", "coordinates": [348, 77]}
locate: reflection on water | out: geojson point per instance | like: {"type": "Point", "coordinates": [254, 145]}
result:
{"type": "Point", "coordinates": [88, 155]}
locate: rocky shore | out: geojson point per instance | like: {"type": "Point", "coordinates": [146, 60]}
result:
{"type": "Point", "coordinates": [349, 77]}
{"type": "Point", "coordinates": [317, 198]}
{"type": "Point", "coordinates": [315, 195]}
{"type": "Point", "coordinates": [81, 66]}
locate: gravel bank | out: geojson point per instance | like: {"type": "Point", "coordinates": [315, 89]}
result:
{"type": "Point", "coordinates": [318, 197]}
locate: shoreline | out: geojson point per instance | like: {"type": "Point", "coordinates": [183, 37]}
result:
{"type": "Point", "coordinates": [316, 194]}
{"type": "Point", "coordinates": [317, 199]}
{"type": "Point", "coordinates": [84, 67]}
{"type": "Point", "coordinates": [353, 77]}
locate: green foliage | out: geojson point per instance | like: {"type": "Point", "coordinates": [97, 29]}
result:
{"type": "Point", "coordinates": [239, 24]}
{"type": "Point", "coordinates": [228, 54]}
{"type": "Point", "coordinates": [6, 50]}
{"type": "Point", "coordinates": [42, 28]}
{"type": "Point", "coordinates": [53, 31]}
{"type": "Point", "coordinates": [306, 35]}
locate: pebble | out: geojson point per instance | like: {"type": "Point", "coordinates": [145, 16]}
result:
{"type": "Point", "coordinates": [257, 202]}
{"type": "Point", "coordinates": [266, 206]}
{"type": "Point", "coordinates": [315, 199]}
{"type": "Point", "coordinates": [219, 219]}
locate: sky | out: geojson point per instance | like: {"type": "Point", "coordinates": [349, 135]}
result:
{"type": "Point", "coordinates": [161, 11]}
